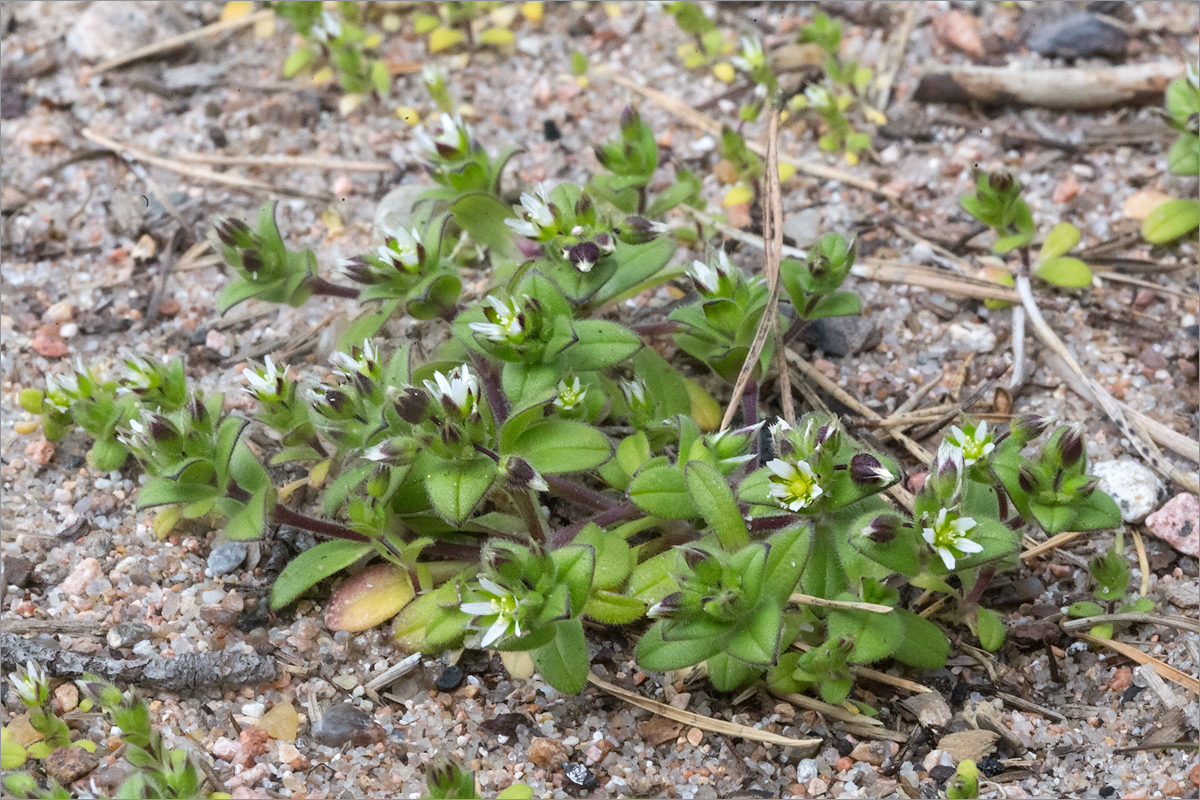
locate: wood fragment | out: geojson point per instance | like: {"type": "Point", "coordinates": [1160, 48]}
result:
{"type": "Point", "coordinates": [1021, 704]}
{"type": "Point", "coordinates": [199, 672]}
{"type": "Point", "coordinates": [289, 162]}
{"type": "Point", "coordinates": [1076, 89]}
{"type": "Point", "coordinates": [892, 58]}
{"type": "Point", "coordinates": [172, 42]}
{"type": "Point", "coordinates": [1129, 651]}
{"type": "Point", "coordinates": [1050, 544]}
{"type": "Point", "coordinates": [699, 721]}
{"type": "Point", "coordinates": [136, 153]}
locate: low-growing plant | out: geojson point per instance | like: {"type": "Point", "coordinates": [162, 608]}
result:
{"type": "Point", "coordinates": [1174, 219]}
{"type": "Point", "coordinates": [337, 47]}
{"type": "Point", "coordinates": [543, 466]}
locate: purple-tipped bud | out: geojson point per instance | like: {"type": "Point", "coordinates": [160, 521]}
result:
{"type": "Point", "coordinates": [667, 607]}
{"type": "Point", "coordinates": [337, 400]}
{"type": "Point", "coordinates": [198, 411]}
{"type": "Point", "coordinates": [882, 529]}
{"type": "Point", "coordinates": [356, 269]}
{"type": "Point", "coordinates": [1028, 427]}
{"type": "Point", "coordinates": [866, 469]}
{"type": "Point", "coordinates": [1088, 488]}
{"type": "Point", "coordinates": [629, 120]}
{"type": "Point", "coordinates": [251, 261]}
{"type": "Point", "coordinates": [412, 404]}
{"type": "Point", "coordinates": [1001, 182]}
{"type": "Point", "coordinates": [1027, 479]}
{"type": "Point", "coordinates": [605, 242]}
{"type": "Point", "coordinates": [583, 205]}
{"type": "Point", "coordinates": [161, 430]}
{"type": "Point", "coordinates": [1070, 447]}
{"type": "Point", "coordinates": [637, 230]}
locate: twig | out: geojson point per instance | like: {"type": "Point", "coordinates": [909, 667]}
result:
{"type": "Point", "coordinates": [1141, 440]}
{"type": "Point", "coordinates": [199, 173]}
{"type": "Point", "coordinates": [851, 605]}
{"type": "Point", "coordinates": [1051, 543]}
{"type": "Point", "coordinates": [770, 318]}
{"type": "Point", "coordinates": [168, 265]}
{"type": "Point", "coordinates": [1129, 651]}
{"type": "Point", "coordinates": [1076, 89]}
{"type": "Point", "coordinates": [1169, 620]}
{"type": "Point", "coordinates": [698, 720]}
{"type": "Point", "coordinates": [1018, 346]}
{"type": "Point", "coordinates": [1022, 704]}
{"type": "Point", "coordinates": [171, 42]}
{"type": "Point", "coordinates": [893, 58]}
{"type": "Point", "coordinates": [289, 162]}
{"type": "Point", "coordinates": [709, 125]}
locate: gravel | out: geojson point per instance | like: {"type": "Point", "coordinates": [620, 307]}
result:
{"type": "Point", "coordinates": [69, 235]}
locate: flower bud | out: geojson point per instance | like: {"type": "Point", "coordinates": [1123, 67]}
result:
{"type": "Point", "coordinates": [1070, 446]}
{"type": "Point", "coordinates": [251, 261]}
{"type": "Point", "coordinates": [521, 475]}
{"type": "Point", "coordinates": [882, 529]}
{"type": "Point", "coordinates": [667, 607]}
{"type": "Point", "coordinates": [866, 469]}
{"type": "Point", "coordinates": [1000, 182]}
{"type": "Point", "coordinates": [1028, 427]}
{"type": "Point", "coordinates": [411, 404]}
{"type": "Point", "coordinates": [1027, 479]}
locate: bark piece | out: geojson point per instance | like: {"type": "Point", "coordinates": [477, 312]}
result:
{"type": "Point", "coordinates": [1074, 89]}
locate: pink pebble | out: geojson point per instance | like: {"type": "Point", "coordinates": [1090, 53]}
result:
{"type": "Point", "coordinates": [1178, 524]}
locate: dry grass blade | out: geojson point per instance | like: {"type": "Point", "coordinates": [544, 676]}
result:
{"type": "Point", "coordinates": [1170, 620]}
{"type": "Point", "coordinates": [892, 58]}
{"type": "Point", "coordinates": [772, 219]}
{"type": "Point", "coordinates": [288, 162]}
{"type": "Point", "coordinates": [709, 125]}
{"type": "Point", "coordinates": [1143, 562]}
{"type": "Point", "coordinates": [852, 605]}
{"type": "Point", "coordinates": [1051, 543]}
{"type": "Point", "coordinates": [1129, 651]}
{"type": "Point", "coordinates": [199, 173]}
{"type": "Point", "coordinates": [171, 42]}
{"type": "Point", "coordinates": [697, 720]}
{"type": "Point", "coordinates": [840, 713]}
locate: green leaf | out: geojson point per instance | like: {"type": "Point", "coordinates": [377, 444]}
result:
{"type": "Point", "coordinates": [1011, 242]}
{"type": "Point", "coordinates": [923, 644]}
{"type": "Point", "coordinates": [163, 491]}
{"type": "Point", "coordinates": [1064, 271]}
{"type": "Point", "coordinates": [482, 216]}
{"type": "Point", "coordinates": [368, 323]}
{"type": "Point", "coordinates": [1084, 608]}
{"type": "Point", "coordinates": [298, 60]}
{"type": "Point", "coordinates": [455, 487]}
{"type": "Point", "coordinates": [633, 452]}
{"type": "Point", "coordinates": [564, 661]}
{"type": "Point", "coordinates": [615, 559]}
{"type": "Point", "coordinates": [599, 344]}
{"type": "Point", "coordinates": [238, 291]}
{"type": "Point", "coordinates": [757, 643]}
{"type": "Point", "coordinates": [612, 608]}
{"type": "Point", "coordinates": [652, 580]}
{"type": "Point", "coordinates": [727, 673]}
{"type": "Point", "coordinates": [1184, 156]}
{"type": "Point", "coordinates": [250, 522]}
{"type": "Point", "coordinates": [527, 384]}
{"type": "Point", "coordinates": [838, 304]}
{"type": "Point", "coordinates": [991, 629]}
{"type": "Point", "coordinates": [1171, 220]}
{"type": "Point", "coordinates": [655, 653]}
{"type": "Point", "coordinates": [516, 791]}
{"type": "Point", "coordinates": [1097, 511]}
{"type": "Point", "coordinates": [313, 566]}
{"type": "Point", "coordinates": [32, 400]}
{"type": "Point", "coordinates": [1053, 519]}
{"type": "Point", "coordinates": [711, 495]}
{"type": "Point", "coordinates": [662, 491]}
{"type": "Point", "coordinates": [875, 636]}
{"type": "Point", "coordinates": [108, 454]}
{"type": "Point", "coordinates": [636, 263]}
{"type": "Point", "coordinates": [560, 445]}
{"type": "Point", "coordinates": [1062, 237]}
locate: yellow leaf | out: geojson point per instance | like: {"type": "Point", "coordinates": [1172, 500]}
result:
{"type": "Point", "coordinates": [372, 596]}
{"type": "Point", "coordinates": [332, 220]}
{"type": "Point", "coordinates": [724, 72]}
{"type": "Point", "coordinates": [705, 410]}
{"type": "Point", "coordinates": [22, 732]}
{"type": "Point", "coordinates": [12, 755]}
{"type": "Point", "coordinates": [852, 158]}
{"type": "Point", "coordinates": [532, 11]}
{"type": "Point", "coordinates": [322, 76]}
{"type": "Point", "coordinates": [685, 50]}
{"type": "Point", "coordinates": [443, 39]}
{"type": "Point", "coordinates": [582, 80]}
{"type": "Point", "coordinates": [165, 521]}
{"type": "Point", "coordinates": [26, 426]}
{"type": "Point", "coordinates": [409, 115]}
{"type": "Point", "coordinates": [372, 41]}
{"type": "Point", "coordinates": [264, 28]}
{"type": "Point", "coordinates": [424, 23]}
{"type": "Point", "coordinates": [612, 10]}
{"type": "Point", "coordinates": [786, 171]}
{"type": "Point", "coordinates": [85, 744]}
{"type": "Point", "coordinates": [236, 8]}
{"type": "Point", "coordinates": [875, 116]}
{"type": "Point", "coordinates": [737, 195]}
{"type": "Point", "coordinates": [316, 475]}
{"type": "Point", "coordinates": [497, 37]}
{"type": "Point", "coordinates": [518, 663]}
{"type": "Point", "coordinates": [281, 722]}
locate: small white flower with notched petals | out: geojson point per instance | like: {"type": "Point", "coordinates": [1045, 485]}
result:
{"type": "Point", "coordinates": [265, 383]}
{"type": "Point", "coordinates": [974, 446]}
{"type": "Point", "coordinates": [539, 217]}
{"type": "Point", "coordinates": [31, 688]}
{"type": "Point", "coordinates": [705, 277]}
{"type": "Point", "coordinates": [500, 603]}
{"type": "Point", "coordinates": [407, 250]}
{"type": "Point", "coordinates": [794, 486]}
{"type": "Point", "coordinates": [752, 56]}
{"type": "Point", "coordinates": [459, 389]}
{"type": "Point", "coordinates": [506, 324]}
{"type": "Point", "coordinates": [947, 535]}
{"type": "Point", "coordinates": [570, 396]}
{"type": "Point", "coordinates": [363, 361]}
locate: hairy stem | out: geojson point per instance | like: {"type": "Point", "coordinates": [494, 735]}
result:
{"type": "Point", "coordinates": [569, 490]}
{"type": "Point", "coordinates": [771, 523]}
{"type": "Point", "coordinates": [287, 516]}
{"type": "Point", "coordinates": [322, 287]}
{"type": "Point", "coordinates": [564, 536]}
{"type": "Point", "coordinates": [529, 513]}
{"type": "Point", "coordinates": [492, 390]}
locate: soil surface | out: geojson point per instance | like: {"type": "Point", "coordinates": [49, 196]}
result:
{"type": "Point", "coordinates": [91, 270]}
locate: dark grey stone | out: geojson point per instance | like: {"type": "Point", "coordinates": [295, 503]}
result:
{"type": "Point", "coordinates": [842, 336]}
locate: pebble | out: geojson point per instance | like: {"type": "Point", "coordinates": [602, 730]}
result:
{"type": "Point", "coordinates": [1134, 487]}
{"type": "Point", "coordinates": [346, 723]}
{"type": "Point", "coordinates": [972, 337]}
{"type": "Point", "coordinates": [842, 336]}
{"type": "Point", "coordinates": [580, 775]}
{"type": "Point", "coordinates": [450, 679]}
{"type": "Point", "coordinates": [49, 343]}
{"type": "Point", "coordinates": [544, 751]}
{"type": "Point", "coordinates": [807, 769]}
{"type": "Point", "coordinates": [84, 573]}
{"type": "Point", "coordinates": [253, 710]}
{"type": "Point", "coordinates": [1185, 594]}
{"type": "Point", "coordinates": [281, 722]}
{"type": "Point", "coordinates": [253, 743]}
{"type": "Point", "coordinates": [106, 29]}
{"type": "Point", "coordinates": [930, 709]}
{"type": "Point", "coordinates": [58, 313]}
{"type": "Point", "coordinates": [1121, 680]}
{"type": "Point", "coordinates": [68, 764]}
{"type": "Point", "coordinates": [67, 695]}
{"type": "Point", "coordinates": [225, 749]}
{"type": "Point", "coordinates": [126, 634]}
{"type": "Point", "coordinates": [1178, 523]}
{"type": "Point", "coordinates": [804, 227]}
{"type": "Point", "coordinates": [1078, 35]}
{"type": "Point", "coordinates": [226, 557]}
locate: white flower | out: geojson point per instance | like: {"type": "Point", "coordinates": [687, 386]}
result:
{"type": "Point", "coordinates": [973, 447]}
{"type": "Point", "coordinates": [538, 215]}
{"type": "Point", "coordinates": [705, 277]}
{"type": "Point", "coordinates": [432, 74]}
{"type": "Point", "coordinates": [500, 603]}
{"type": "Point", "coordinates": [407, 250]}
{"type": "Point", "coordinates": [570, 396]}
{"type": "Point", "coordinates": [138, 376]}
{"type": "Point", "coordinates": [31, 687]}
{"type": "Point", "coordinates": [460, 388]}
{"type": "Point", "coordinates": [265, 383]}
{"type": "Point", "coordinates": [450, 139]}
{"type": "Point", "coordinates": [506, 324]}
{"type": "Point", "coordinates": [793, 485]}
{"type": "Point", "coordinates": [777, 427]}
{"type": "Point", "coordinates": [948, 537]}
{"type": "Point", "coordinates": [634, 391]}
{"type": "Point", "coordinates": [363, 362]}
{"type": "Point", "coordinates": [818, 95]}
{"type": "Point", "coordinates": [752, 56]}
{"type": "Point", "coordinates": [538, 483]}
